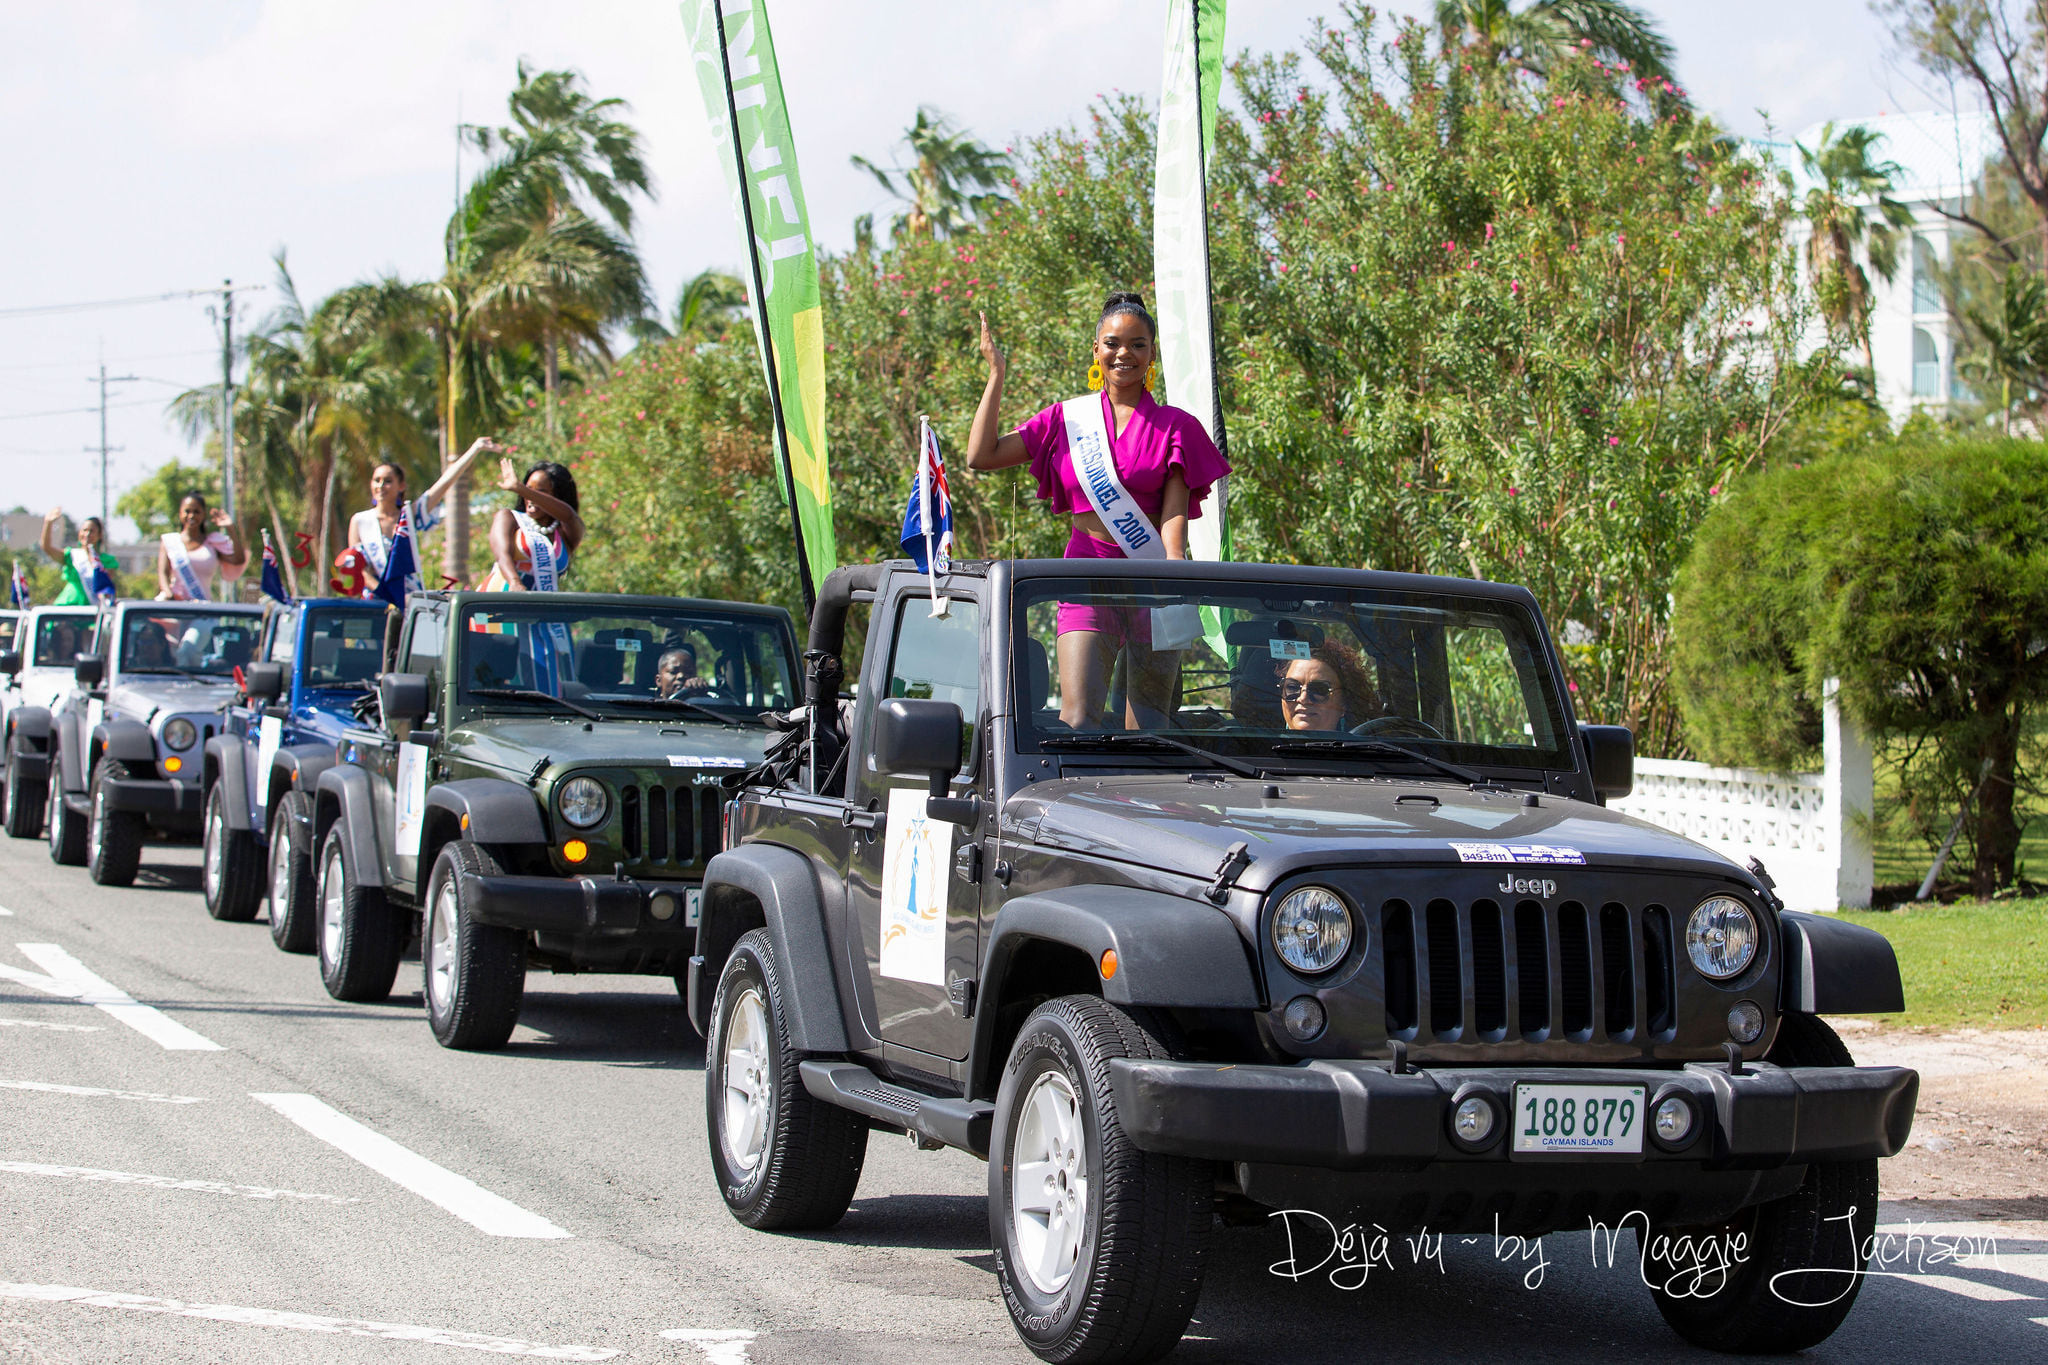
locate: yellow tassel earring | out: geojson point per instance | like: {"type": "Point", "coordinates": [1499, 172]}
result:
{"type": "Point", "coordinates": [1095, 376]}
{"type": "Point", "coordinates": [1151, 375]}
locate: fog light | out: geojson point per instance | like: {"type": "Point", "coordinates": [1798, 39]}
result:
{"type": "Point", "coordinates": [575, 850]}
{"type": "Point", "coordinates": [1672, 1121]}
{"type": "Point", "coordinates": [1473, 1121]}
{"type": "Point", "coordinates": [1745, 1022]}
{"type": "Point", "coordinates": [172, 765]}
{"type": "Point", "coordinates": [663, 906]}
{"type": "Point", "coordinates": [1303, 1018]}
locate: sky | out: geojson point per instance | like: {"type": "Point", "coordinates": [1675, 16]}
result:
{"type": "Point", "coordinates": [162, 148]}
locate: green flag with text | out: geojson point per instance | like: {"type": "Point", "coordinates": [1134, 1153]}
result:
{"type": "Point", "coordinates": [735, 60]}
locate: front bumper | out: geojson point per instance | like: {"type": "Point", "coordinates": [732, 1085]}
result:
{"type": "Point", "coordinates": [590, 911]}
{"type": "Point", "coordinates": [1355, 1116]}
{"type": "Point", "coordinates": [154, 796]}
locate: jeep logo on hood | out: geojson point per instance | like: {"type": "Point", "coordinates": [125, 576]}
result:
{"type": "Point", "coordinates": [1529, 886]}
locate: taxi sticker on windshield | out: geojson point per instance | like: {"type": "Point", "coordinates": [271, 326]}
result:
{"type": "Point", "coordinates": [1288, 649]}
{"type": "Point", "coordinates": [1517, 853]}
{"type": "Point", "coordinates": [627, 644]}
{"type": "Point", "coordinates": [703, 761]}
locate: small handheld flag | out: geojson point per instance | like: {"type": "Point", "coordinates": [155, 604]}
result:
{"type": "Point", "coordinates": [928, 520]}
{"type": "Point", "coordinates": [273, 577]}
{"type": "Point", "coordinates": [400, 566]}
{"type": "Point", "coordinates": [102, 585]}
{"type": "Point", "coordinates": [20, 587]}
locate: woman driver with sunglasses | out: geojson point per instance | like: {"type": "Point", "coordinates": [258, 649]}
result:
{"type": "Point", "coordinates": [1326, 691]}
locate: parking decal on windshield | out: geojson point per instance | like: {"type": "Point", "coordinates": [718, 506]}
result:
{"type": "Point", "coordinates": [704, 761]}
{"type": "Point", "coordinates": [1517, 853]}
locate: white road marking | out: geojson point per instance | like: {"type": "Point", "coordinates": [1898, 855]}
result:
{"type": "Point", "coordinates": [301, 1322]}
{"type": "Point", "coordinates": [61, 1028]}
{"type": "Point", "coordinates": [470, 1202]}
{"type": "Point", "coordinates": [719, 1348]}
{"type": "Point", "coordinates": [92, 1090]}
{"type": "Point", "coordinates": [68, 976]}
{"type": "Point", "coordinates": [5, 913]}
{"type": "Point", "coordinates": [164, 1182]}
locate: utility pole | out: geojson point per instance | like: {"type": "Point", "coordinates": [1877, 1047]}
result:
{"type": "Point", "coordinates": [103, 448]}
{"type": "Point", "coordinates": [227, 397]}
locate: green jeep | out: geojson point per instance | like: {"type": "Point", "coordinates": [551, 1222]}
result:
{"type": "Point", "coordinates": [543, 790]}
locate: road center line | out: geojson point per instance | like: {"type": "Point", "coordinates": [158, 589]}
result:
{"type": "Point", "coordinates": [164, 1182]}
{"type": "Point", "coordinates": [5, 913]}
{"type": "Point", "coordinates": [69, 977]}
{"type": "Point", "coordinates": [61, 1028]}
{"type": "Point", "coordinates": [470, 1202]}
{"type": "Point", "coordinates": [301, 1322]}
{"type": "Point", "coordinates": [53, 1088]}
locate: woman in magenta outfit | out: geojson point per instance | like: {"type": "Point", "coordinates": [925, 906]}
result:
{"type": "Point", "coordinates": [1162, 456]}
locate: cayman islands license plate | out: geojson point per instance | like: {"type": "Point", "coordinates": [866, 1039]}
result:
{"type": "Point", "coordinates": [1579, 1120]}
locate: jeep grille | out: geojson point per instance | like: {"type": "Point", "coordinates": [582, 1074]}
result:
{"type": "Point", "coordinates": [1481, 971]}
{"type": "Point", "coordinates": [673, 826]}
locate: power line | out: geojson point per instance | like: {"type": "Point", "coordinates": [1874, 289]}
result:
{"type": "Point", "coordinates": [67, 412]}
{"type": "Point", "coordinates": [47, 309]}
{"type": "Point", "coordinates": [126, 360]}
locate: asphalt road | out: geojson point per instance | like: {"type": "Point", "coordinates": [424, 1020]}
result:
{"type": "Point", "coordinates": [204, 1158]}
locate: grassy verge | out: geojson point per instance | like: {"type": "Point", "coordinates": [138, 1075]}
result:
{"type": "Point", "coordinates": [1969, 965]}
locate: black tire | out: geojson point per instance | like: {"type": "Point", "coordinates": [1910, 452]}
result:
{"type": "Point", "coordinates": [26, 797]}
{"type": "Point", "coordinates": [65, 826]}
{"type": "Point", "coordinates": [810, 1153]}
{"type": "Point", "coordinates": [1141, 1230]}
{"type": "Point", "coordinates": [230, 866]}
{"type": "Point", "coordinates": [294, 912]}
{"type": "Point", "coordinates": [475, 974]}
{"type": "Point", "coordinates": [113, 838]}
{"type": "Point", "coordinates": [1826, 1226]}
{"type": "Point", "coordinates": [361, 935]}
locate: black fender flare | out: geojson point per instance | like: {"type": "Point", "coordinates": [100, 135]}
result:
{"type": "Point", "coordinates": [1170, 951]}
{"type": "Point", "coordinates": [1836, 968]}
{"type": "Point", "coordinates": [127, 740]}
{"type": "Point", "coordinates": [296, 766]}
{"type": "Point", "coordinates": [343, 796]}
{"type": "Point", "coordinates": [227, 765]}
{"type": "Point", "coordinates": [483, 810]}
{"type": "Point", "coordinates": [784, 886]}
{"type": "Point", "coordinates": [32, 725]}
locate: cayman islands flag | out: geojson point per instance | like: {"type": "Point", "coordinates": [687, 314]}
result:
{"type": "Point", "coordinates": [401, 566]}
{"type": "Point", "coordinates": [928, 520]}
{"type": "Point", "coordinates": [19, 587]}
{"type": "Point", "coordinates": [273, 578]}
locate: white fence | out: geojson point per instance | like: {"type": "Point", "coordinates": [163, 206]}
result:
{"type": "Point", "coordinates": [1811, 831]}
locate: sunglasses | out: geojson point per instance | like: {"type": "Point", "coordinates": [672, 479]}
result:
{"type": "Point", "coordinates": [1292, 690]}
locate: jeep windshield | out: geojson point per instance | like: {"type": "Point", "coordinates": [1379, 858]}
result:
{"type": "Point", "coordinates": [1288, 677]}
{"type": "Point", "coordinates": [653, 664]}
{"type": "Point", "coordinates": [344, 648]}
{"type": "Point", "coordinates": [61, 639]}
{"type": "Point", "coordinates": [197, 643]}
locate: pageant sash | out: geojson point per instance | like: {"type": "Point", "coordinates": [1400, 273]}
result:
{"type": "Point", "coordinates": [181, 565]}
{"type": "Point", "coordinates": [377, 550]}
{"type": "Point", "coordinates": [550, 645]}
{"type": "Point", "coordinates": [83, 564]}
{"type": "Point", "coordinates": [1088, 447]}
{"type": "Point", "coordinates": [540, 550]}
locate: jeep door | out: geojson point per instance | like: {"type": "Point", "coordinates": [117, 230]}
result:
{"type": "Point", "coordinates": [426, 637]}
{"type": "Point", "coordinates": [917, 920]}
{"type": "Point", "coordinates": [262, 727]}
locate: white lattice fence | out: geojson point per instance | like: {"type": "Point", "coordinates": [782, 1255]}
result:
{"type": "Point", "coordinates": [1811, 830]}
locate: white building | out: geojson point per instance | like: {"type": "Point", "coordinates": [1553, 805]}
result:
{"type": "Point", "coordinates": [1941, 160]}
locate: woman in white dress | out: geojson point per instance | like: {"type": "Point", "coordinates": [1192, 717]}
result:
{"type": "Point", "coordinates": [189, 558]}
{"type": "Point", "coordinates": [372, 529]}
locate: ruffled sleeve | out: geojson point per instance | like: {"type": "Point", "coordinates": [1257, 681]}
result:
{"type": "Point", "coordinates": [1201, 464]}
{"type": "Point", "coordinates": [1045, 437]}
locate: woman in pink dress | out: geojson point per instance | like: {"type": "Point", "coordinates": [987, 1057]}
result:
{"type": "Point", "coordinates": [188, 559]}
{"type": "Point", "coordinates": [1162, 458]}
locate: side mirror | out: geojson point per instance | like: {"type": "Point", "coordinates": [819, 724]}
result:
{"type": "Point", "coordinates": [919, 738]}
{"type": "Point", "coordinates": [403, 697]}
{"type": "Point", "coordinates": [90, 670]}
{"type": "Point", "coordinates": [263, 682]}
{"type": "Point", "coordinates": [10, 661]}
{"type": "Point", "coordinates": [1611, 754]}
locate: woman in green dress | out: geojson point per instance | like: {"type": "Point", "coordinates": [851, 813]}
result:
{"type": "Point", "coordinates": [79, 561]}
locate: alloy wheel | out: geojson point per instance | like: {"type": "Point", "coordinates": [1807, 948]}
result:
{"type": "Point", "coordinates": [1049, 1183]}
{"type": "Point", "coordinates": [749, 1101]}
{"type": "Point", "coordinates": [330, 906]}
{"type": "Point", "coordinates": [440, 949]}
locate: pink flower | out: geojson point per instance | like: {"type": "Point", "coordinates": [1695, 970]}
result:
{"type": "Point", "coordinates": [1311, 194]}
{"type": "Point", "coordinates": [1283, 267]}
{"type": "Point", "coordinates": [1557, 103]}
{"type": "Point", "coordinates": [902, 312]}
{"type": "Point", "coordinates": [1515, 287]}
{"type": "Point", "coordinates": [1614, 440]}
{"type": "Point", "coordinates": [1354, 270]}
{"type": "Point", "coordinates": [1715, 491]}
{"type": "Point", "coordinates": [1489, 232]}
{"type": "Point", "coordinates": [1514, 492]}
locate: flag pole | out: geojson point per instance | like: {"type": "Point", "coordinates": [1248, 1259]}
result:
{"type": "Point", "coordinates": [1209, 293]}
{"type": "Point", "coordinates": [739, 153]}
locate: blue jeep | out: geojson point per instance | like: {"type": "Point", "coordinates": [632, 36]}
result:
{"type": "Point", "coordinates": [318, 659]}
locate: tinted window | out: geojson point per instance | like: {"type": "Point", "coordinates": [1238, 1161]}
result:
{"type": "Point", "coordinates": [423, 649]}
{"type": "Point", "coordinates": [284, 639]}
{"type": "Point", "coordinates": [344, 648]}
{"type": "Point", "coordinates": [201, 643]}
{"type": "Point", "coordinates": [938, 658]}
{"type": "Point", "coordinates": [60, 639]}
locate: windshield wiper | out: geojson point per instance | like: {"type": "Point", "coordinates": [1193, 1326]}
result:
{"type": "Point", "coordinates": [1105, 740]}
{"type": "Point", "coordinates": [682, 703]}
{"type": "Point", "coordinates": [1380, 748]}
{"type": "Point", "coordinates": [528, 694]}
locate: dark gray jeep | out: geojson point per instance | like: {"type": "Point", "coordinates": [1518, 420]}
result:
{"type": "Point", "coordinates": [1264, 888]}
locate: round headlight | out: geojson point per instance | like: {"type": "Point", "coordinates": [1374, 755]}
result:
{"type": "Point", "coordinates": [1312, 930]}
{"type": "Point", "coordinates": [583, 801]}
{"type": "Point", "coordinates": [179, 734]}
{"type": "Point", "coordinates": [1721, 937]}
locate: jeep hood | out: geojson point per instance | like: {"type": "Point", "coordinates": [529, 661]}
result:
{"type": "Point", "coordinates": [513, 743]}
{"type": "Point", "coordinates": [1174, 823]}
{"type": "Point", "coordinates": [146, 696]}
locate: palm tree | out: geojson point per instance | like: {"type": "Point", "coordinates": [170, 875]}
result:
{"type": "Point", "coordinates": [1541, 34]}
{"type": "Point", "coordinates": [2015, 340]}
{"type": "Point", "coordinates": [710, 299]}
{"type": "Point", "coordinates": [952, 179]}
{"type": "Point", "coordinates": [1850, 207]}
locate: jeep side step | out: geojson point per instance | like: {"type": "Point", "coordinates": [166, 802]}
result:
{"type": "Point", "coordinates": [956, 1123]}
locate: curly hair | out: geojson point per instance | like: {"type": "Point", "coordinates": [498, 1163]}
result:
{"type": "Point", "coordinates": [559, 476]}
{"type": "Point", "coordinates": [1361, 700]}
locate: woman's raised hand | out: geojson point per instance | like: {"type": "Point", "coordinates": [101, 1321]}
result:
{"type": "Point", "coordinates": [481, 445]}
{"type": "Point", "coordinates": [508, 477]}
{"type": "Point", "coordinates": [50, 517]}
{"type": "Point", "coordinates": [222, 519]}
{"type": "Point", "coordinates": [992, 353]}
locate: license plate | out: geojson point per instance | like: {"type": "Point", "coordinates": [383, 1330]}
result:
{"type": "Point", "coordinates": [1579, 1119]}
{"type": "Point", "coordinates": [693, 906]}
